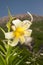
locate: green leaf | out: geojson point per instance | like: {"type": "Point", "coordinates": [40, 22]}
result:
{"type": "Point", "coordinates": [2, 60]}
{"type": "Point", "coordinates": [21, 60]}
{"type": "Point", "coordinates": [3, 50]}
{"type": "Point", "coordinates": [10, 20]}
{"type": "Point", "coordinates": [2, 30]}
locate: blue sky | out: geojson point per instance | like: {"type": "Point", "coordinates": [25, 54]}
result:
{"type": "Point", "coordinates": [21, 6]}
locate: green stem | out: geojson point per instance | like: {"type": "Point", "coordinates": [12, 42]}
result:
{"type": "Point", "coordinates": [8, 53]}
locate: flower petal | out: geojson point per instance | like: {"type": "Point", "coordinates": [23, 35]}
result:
{"type": "Point", "coordinates": [28, 39]}
{"type": "Point", "coordinates": [16, 22]}
{"type": "Point", "coordinates": [15, 42]}
{"type": "Point", "coordinates": [28, 33]}
{"type": "Point", "coordinates": [13, 27]}
{"type": "Point", "coordinates": [22, 39]}
{"type": "Point", "coordinates": [26, 24]}
{"type": "Point", "coordinates": [9, 35]}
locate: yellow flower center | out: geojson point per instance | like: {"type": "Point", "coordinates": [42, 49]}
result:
{"type": "Point", "coordinates": [19, 32]}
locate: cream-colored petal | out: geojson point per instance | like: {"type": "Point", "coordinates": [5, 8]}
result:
{"type": "Point", "coordinates": [30, 16]}
{"type": "Point", "coordinates": [28, 39]}
{"type": "Point", "coordinates": [26, 21]}
{"type": "Point", "coordinates": [22, 39]}
{"type": "Point", "coordinates": [13, 27]}
{"type": "Point", "coordinates": [28, 32]}
{"type": "Point", "coordinates": [14, 42]}
{"type": "Point", "coordinates": [9, 35]}
{"type": "Point", "coordinates": [26, 24]}
{"type": "Point", "coordinates": [16, 22]}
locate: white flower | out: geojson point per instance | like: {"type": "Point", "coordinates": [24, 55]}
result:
{"type": "Point", "coordinates": [41, 54]}
{"type": "Point", "coordinates": [20, 31]}
{"type": "Point", "coordinates": [27, 62]}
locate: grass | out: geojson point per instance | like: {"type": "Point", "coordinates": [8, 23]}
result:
{"type": "Point", "coordinates": [37, 34]}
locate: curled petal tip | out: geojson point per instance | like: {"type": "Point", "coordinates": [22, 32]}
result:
{"type": "Point", "coordinates": [30, 16]}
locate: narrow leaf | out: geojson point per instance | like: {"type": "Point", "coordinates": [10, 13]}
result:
{"type": "Point", "coordinates": [1, 47]}
{"type": "Point", "coordinates": [2, 30]}
{"type": "Point", "coordinates": [2, 60]}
